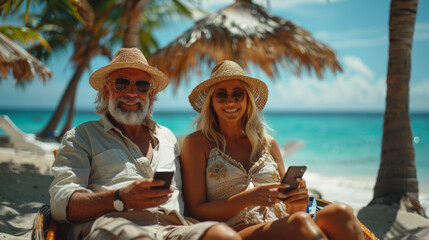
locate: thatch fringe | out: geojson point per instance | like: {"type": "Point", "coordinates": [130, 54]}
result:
{"type": "Point", "coordinates": [245, 33]}
{"type": "Point", "coordinates": [25, 67]}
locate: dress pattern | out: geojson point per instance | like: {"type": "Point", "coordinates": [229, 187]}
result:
{"type": "Point", "coordinates": [217, 171]}
{"type": "Point", "coordinates": [226, 177]}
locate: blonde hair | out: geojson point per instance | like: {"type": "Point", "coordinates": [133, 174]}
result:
{"type": "Point", "coordinates": [252, 124]}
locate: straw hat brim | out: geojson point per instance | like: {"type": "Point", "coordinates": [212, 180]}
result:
{"type": "Point", "coordinates": [101, 76]}
{"type": "Point", "coordinates": [259, 90]}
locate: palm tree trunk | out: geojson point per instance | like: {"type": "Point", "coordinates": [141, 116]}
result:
{"type": "Point", "coordinates": [70, 115]}
{"type": "Point", "coordinates": [396, 180]}
{"type": "Point", "coordinates": [67, 98]}
{"type": "Point", "coordinates": [135, 8]}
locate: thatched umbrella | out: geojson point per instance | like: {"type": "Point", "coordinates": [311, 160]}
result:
{"type": "Point", "coordinates": [24, 66]}
{"type": "Point", "coordinates": [244, 32]}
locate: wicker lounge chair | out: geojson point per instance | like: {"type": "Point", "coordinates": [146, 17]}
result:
{"type": "Point", "coordinates": [45, 228]}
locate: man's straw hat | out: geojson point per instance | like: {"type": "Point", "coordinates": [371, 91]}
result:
{"type": "Point", "coordinates": [128, 58]}
{"type": "Point", "coordinates": [228, 70]}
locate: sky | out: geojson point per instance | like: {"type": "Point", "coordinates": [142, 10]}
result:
{"type": "Point", "coordinates": [356, 30]}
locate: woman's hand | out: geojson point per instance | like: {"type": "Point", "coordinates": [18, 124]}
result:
{"type": "Point", "coordinates": [264, 195]}
{"type": "Point", "coordinates": [297, 199]}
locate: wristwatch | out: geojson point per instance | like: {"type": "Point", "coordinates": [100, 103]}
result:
{"type": "Point", "coordinates": [118, 204]}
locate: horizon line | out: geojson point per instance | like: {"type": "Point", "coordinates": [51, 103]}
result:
{"type": "Point", "coordinates": [270, 111]}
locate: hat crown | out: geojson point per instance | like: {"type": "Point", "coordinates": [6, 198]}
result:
{"type": "Point", "coordinates": [129, 55]}
{"type": "Point", "coordinates": [227, 68]}
{"type": "Point", "coordinates": [128, 58]}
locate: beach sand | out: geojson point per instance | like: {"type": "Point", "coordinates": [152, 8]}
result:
{"type": "Point", "coordinates": [25, 179]}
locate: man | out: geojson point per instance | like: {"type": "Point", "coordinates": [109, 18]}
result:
{"type": "Point", "coordinates": [103, 169]}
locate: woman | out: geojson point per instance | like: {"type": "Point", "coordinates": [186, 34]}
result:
{"type": "Point", "coordinates": [232, 167]}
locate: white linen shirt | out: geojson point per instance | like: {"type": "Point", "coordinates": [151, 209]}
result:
{"type": "Point", "coordinates": [96, 157]}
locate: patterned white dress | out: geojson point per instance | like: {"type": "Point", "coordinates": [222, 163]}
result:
{"type": "Point", "coordinates": [226, 177]}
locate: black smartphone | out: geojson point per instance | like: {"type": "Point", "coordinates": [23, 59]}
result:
{"type": "Point", "coordinates": [163, 174]}
{"type": "Point", "coordinates": [292, 173]}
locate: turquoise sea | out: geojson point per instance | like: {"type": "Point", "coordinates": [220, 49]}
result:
{"type": "Point", "coordinates": [340, 144]}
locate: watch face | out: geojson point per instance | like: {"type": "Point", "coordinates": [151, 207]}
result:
{"type": "Point", "coordinates": [118, 205]}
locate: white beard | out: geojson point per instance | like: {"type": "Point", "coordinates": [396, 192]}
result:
{"type": "Point", "coordinates": [128, 117]}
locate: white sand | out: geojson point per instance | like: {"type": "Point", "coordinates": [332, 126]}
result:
{"type": "Point", "coordinates": [355, 191]}
{"type": "Point", "coordinates": [385, 222]}
{"type": "Point", "coordinates": [24, 183]}
{"type": "Point", "coordinates": [25, 178]}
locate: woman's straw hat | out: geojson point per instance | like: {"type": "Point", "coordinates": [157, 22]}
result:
{"type": "Point", "coordinates": [228, 70]}
{"type": "Point", "coordinates": [128, 58]}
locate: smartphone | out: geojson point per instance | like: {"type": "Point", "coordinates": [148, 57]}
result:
{"type": "Point", "coordinates": [292, 173]}
{"type": "Point", "coordinates": [163, 174]}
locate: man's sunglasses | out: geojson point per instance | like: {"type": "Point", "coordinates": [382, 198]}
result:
{"type": "Point", "coordinates": [122, 84]}
{"type": "Point", "coordinates": [222, 96]}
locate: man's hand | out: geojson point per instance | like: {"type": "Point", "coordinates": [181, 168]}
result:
{"type": "Point", "coordinates": [84, 206]}
{"type": "Point", "coordinates": [139, 194]}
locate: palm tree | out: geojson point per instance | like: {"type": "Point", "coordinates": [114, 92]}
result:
{"type": "Point", "coordinates": [56, 21]}
{"type": "Point", "coordinates": [87, 37]}
{"type": "Point", "coordinates": [153, 17]}
{"type": "Point", "coordinates": [133, 12]}
{"type": "Point", "coordinates": [396, 180]}
{"type": "Point", "coordinates": [103, 27]}
{"type": "Point", "coordinates": [24, 65]}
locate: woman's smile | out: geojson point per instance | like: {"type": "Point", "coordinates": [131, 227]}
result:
{"type": "Point", "coordinates": [231, 110]}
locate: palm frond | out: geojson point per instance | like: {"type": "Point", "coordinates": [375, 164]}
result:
{"type": "Point", "coordinates": [24, 35]}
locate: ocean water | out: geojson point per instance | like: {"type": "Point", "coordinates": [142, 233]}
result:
{"type": "Point", "coordinates": [349, 143]}
{"type": "Point", "coordinates": [340, 147]}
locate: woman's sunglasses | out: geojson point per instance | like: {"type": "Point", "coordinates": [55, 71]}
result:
{"type": "Point", "coordinates": [222, 96]}
{"type": "Point", "coordinates": [122, 84]}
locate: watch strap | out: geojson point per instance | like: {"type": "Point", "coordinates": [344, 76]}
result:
{"type": "Point", "coordinates": [117, 197]}
{"type": "Point", "coordinates": [118, 204]}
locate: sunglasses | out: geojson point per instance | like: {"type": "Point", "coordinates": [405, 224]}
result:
{"type": "Point", "coordinates": [222, 96]}
{"type": "Point", "coordinates": [122, 84]}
